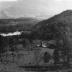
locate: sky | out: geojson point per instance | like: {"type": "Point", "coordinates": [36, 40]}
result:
{"type": "Point", "coordinates": [34, 8]}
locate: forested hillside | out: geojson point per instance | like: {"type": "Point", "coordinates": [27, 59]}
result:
{"type": "Point", "coordinates": [55, 26]}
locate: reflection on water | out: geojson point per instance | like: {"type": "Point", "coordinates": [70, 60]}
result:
{"type": "Point", "coordinates": [11, 34]}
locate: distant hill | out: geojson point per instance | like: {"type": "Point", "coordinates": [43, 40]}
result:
{"type": "Point", "coordinates": [54, 26]}
{"type": "Point", "coordinates": [11, 25]}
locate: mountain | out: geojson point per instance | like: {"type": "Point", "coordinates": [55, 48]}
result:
{"type": "Point", "coordinates": [54, 27]}
{"type": "Point", "coordinates": [22, 11]}
{"type": "Point", "coordinates": [3, 15]}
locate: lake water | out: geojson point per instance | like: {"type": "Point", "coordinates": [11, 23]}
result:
{"type": "Point", "coordinates": [11, 34]}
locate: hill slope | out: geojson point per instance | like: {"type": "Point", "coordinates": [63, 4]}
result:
{"type": "Point", "coordinates": [54, 27]}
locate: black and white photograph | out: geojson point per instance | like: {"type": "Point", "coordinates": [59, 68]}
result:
{"type": "Point", "coordinates": [35, 35]}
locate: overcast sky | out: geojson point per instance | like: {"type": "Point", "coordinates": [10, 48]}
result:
{"type": "Point", "coordinates": [36, 8]}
